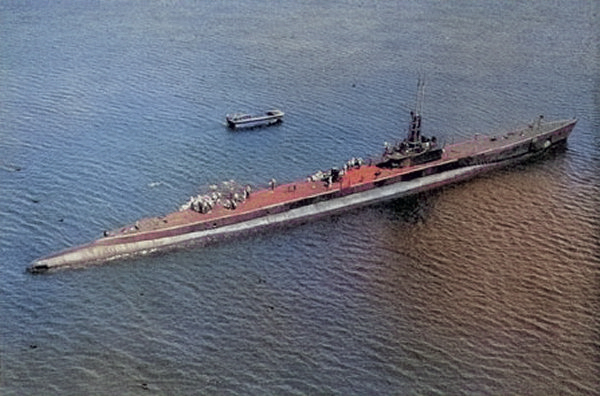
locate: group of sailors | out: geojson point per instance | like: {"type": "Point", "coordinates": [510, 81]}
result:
{"type": "Point", "coordinates": [229, 196]}
{"type": "Point", "coordinates": [334, 175]}
{"type": "Point", "coordinates": [353, 163]}
{"type": "Point", "coordinates": [328, 177]}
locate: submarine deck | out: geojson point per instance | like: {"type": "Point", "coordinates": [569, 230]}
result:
{"type": "Point", "coordinates": [365, 174]}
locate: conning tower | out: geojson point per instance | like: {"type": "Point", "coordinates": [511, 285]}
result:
{"type": "Point", "coordinates": [415, 148]}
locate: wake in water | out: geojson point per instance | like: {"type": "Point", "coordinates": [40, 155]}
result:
{"type": "Point", "coordinates": [10, 167]}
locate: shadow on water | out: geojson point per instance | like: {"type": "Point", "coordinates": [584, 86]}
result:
{"type": "Point", "coordinates": [413, 209]}
{"type": "Point", "coordinates": [554, 152]}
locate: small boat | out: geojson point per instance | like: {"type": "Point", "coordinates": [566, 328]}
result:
{"type": "Point", "coordinates": [240, 120]}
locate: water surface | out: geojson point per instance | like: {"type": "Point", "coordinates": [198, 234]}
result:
{"type": "Point", "coordinates": [111, 111]}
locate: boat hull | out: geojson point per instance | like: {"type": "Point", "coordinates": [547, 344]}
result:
{"type": "Point", "coordinates": [254, 123]}
{"type": "Point", "coordinates": [271, 117]}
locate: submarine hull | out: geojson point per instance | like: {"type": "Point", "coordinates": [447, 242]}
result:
{"type": "Point", "coordinates": [296, 202]}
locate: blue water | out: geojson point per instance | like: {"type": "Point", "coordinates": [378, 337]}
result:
{"type": "Point", "coordinates": [113, 110]}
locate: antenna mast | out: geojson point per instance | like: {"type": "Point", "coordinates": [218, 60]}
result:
{"type": "Point", "coordinates": [414, 134]}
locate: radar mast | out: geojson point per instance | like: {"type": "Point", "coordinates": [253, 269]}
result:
{"type": "Point", "coordinates": [414, 132]}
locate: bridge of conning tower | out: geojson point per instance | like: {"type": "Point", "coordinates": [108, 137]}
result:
{"type": "Point", "coordinates": [415, 149]}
